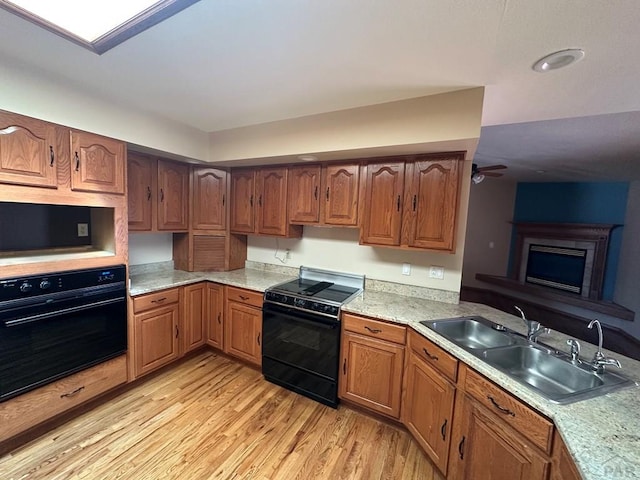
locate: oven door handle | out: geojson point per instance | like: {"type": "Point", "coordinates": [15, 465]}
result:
{"type": "Point", "coordinates": [298, 316]}
{"type": "Point", "coordinates": [44, 316]}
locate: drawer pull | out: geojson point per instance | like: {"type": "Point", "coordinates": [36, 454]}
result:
{"type": "Point", "coordinates": [443, 429]}
{"type": "Point", "coordinates": [52, 155]}
{"type": "Point", "coordinates": [373, 330]}
{"type": "Point", "coordinates": [506, 411]}
{"type": "Point", "coordinates": [315, 193]}
{"type": "Point", "coordinates": [344, 367]}
{"type": "Point", "coordinates": [148, 193]}
{"type": "Point", "coordinates": [219, 319]}
{"type": "Point", "coordinates": [461, 449]}
{"type": "Point", "coordinates": [242, 297]}
{"type": "Point", "coordinates": [159, 300]}
{"type": "Point", "coordinates": [77, 161]}
{"type": "Point", "coordinates": [432, 357]}
{"type": "Point", "coordinates": [71, 394]}
{"type": "Point", "coordinates": [258, 339]}
{"type": "Point", "coordinates": [177, 331]}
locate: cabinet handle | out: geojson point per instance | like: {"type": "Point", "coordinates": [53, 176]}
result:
{"type": "Point", "coordinates": [506, 411]}
{"type": "Point", "coordinates": [251, 200]}
{"type": "Point", "coordinates": [315, 193]}
{"type": "Point", "coordinates": [219, 317]}
{"type": "Point", "coordinates": [415, 200]}
{"type": "Point", "coordinates": [177, 331]}
{"type": "Point", "coordinates": [162, 195]}
{"type": "Point", "coordinates": [432, 357]}
{"type": "Point", "coordinates": [223, 199]}
{"type": "Point", "coordinates": [443, 429]}
{"type": "Point", "coordinates": [159, 300]}
{"type": "Point", "coordinates": [258, 339]}
{"type": "Point", "coordinates": [52, 155]}
{"type": "Point", "coordinates": [461, 449]}
{"type": "Point", "coordinates": [242, 297]}
{"type": "Point", "coordinates": [148, 193]}
{"type": "Point", "coordinates": [71, 394]}
{"type": "Point", "coordinates": [77, 162]}
{"type": "Point", "coordinates": [373, 330]}
{"type": "Point", "coordinates": [260, 201]}
{"type": "Point", "coordinates": [344, 367]}
{"type": "Point", "coordinates": [398, 203]}
{"type": "Point", "coordinates": [327, 193]}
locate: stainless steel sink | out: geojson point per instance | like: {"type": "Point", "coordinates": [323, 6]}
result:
{"type": "Point", "coordinates": [552, 374]}
{"type": "Point", "coordinates": [472, 333]}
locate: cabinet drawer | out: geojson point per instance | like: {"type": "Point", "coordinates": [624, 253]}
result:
{"type": "Point", "coordinates": [37, 406]}
{"type": "Point", "coordinates": [523, 419]}
{"type": "Point", "coordinates": [248, 297]}
{"type": "Point", "coordinates": [434, 355]}
{"type": "Point", "coordinates": [153, 300]}
{"type": "Point", "coordinates": [374, 328]}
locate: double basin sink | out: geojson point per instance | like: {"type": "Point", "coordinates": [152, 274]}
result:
{"type": "Point", "coordinates": [549, 372]}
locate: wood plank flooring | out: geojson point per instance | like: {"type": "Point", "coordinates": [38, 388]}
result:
{"type": "Point", "coordinates": [211, 417]}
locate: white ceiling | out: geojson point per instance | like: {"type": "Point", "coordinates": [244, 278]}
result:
{"type": "Point", "coordinates": [226, 63]}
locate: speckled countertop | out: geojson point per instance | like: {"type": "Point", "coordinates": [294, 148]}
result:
{"type": "Point", "coordinates": [602, 434]}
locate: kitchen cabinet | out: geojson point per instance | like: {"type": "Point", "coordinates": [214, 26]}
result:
{"type": "Point", "coordinates": [562, 467]}
{"type": "Point", "coordinates": [28, 154]}
{"type": "Point", "coordinates": [98, 163]}
{"type": "Point", "coordinates": [209, 197]}
{"type": "Point", "coordinates": [428, 403]}
{"type": "Point", "coordinates": [243, 325]}
{"type": "Point", "coordinates": [324, 195]}
{"type": "Point", "coordinates": [259, 203]}
{"type": "Point", "coordinates": [215, 315]}
{"type": "Point", "coordinates": [157, 194]}
{"type": "Point", "coordinates": [496, 436]}
{"type": "Point", "coordinates": [372, 363]}
{"type": "Point", "coordinates": [156, 330]}
{"type": "Point", "coordinates": [412, 202]}
{"type": "Point", "coordinates": [195, 312]}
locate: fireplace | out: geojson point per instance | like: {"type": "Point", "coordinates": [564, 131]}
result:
{"type": "Point", "coordinates": [562, 256]}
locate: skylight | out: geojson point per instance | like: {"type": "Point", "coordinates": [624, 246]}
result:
{"type": "Point", "coordinates": [98, 25]}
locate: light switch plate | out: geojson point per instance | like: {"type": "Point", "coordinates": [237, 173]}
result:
{"type": "Point", "coordinates": [436, 273]}
{"type": "Point", "coordinates": [406, 269]}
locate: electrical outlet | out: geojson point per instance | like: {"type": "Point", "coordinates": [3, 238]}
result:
{"type": "Point", "coordinates": [406, 269]}
{"type": "Point", "coordinates": [287, 254]}
{"type": "Point", "coordinates": [83, 229]}
{"type": "Point", "coordinates": [436, 273]}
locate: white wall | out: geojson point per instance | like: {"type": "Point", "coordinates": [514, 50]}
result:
{"type": "Point", "coordinates": [491, 206]}
{"type": "Point", "coordinates": [32, 92]}
{"type": "Point", "coordinates": [150, 248]}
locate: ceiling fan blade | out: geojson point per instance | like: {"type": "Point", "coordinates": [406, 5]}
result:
{"type": "Point", "coordinates": [491, 174]}
{"type": "Point", "coordinates": [492, 167]}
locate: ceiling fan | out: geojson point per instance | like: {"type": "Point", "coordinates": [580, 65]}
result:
{"type": "Point", "coordinates": [479, 173]}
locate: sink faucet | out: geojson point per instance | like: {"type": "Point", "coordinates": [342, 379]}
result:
{"type": "Point", "coordinates": [600, 360]}
{"type": "Point", "coordinates": [534, 329]}
{"type": "Point", "coordinates": [575, 350]}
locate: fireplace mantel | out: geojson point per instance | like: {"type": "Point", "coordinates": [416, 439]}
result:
{"type": "Point", "coordinates": [597, 234]}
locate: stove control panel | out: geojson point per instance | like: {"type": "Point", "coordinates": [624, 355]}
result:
{"type": "Point", "coordinates": [302, 303]}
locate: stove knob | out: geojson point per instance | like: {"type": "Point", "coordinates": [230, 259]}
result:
{"type": "Point", "coordinates": [26, 287]}
{"type": "Point", "coordinates": [45, 285]}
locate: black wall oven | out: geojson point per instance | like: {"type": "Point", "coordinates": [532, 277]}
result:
{"type": "Point", "coordinates": [57, 324]}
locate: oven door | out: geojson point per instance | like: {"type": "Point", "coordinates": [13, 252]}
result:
{"type": "Point", "coordinates": [38, 347]}
{"type": "Point", "coordinates": [300, 351]}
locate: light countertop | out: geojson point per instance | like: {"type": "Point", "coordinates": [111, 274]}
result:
{"type": "Point", "coordinates": [602, 434]}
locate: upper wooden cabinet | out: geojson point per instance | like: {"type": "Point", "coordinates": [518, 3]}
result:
{"type": "Point", "coordinates": [259, 202]}
{"type": "Point", "coordinates": [28, 153]}
{"type": "Point", "coordinates": [209, 197]}
{"type": "Point", "coordinates": [157, 194]}
{"type": "Point", "coordinates": [324, 195]}
{"type": "Point", "coordinates": [97, 163]}
{"type": "Point", "coordinates": [412, 203]}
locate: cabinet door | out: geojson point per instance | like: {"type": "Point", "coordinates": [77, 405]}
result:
{"type": "Point", "coordinates": [214, 316]}
{"type": "Point", "coordinates": [27, 151]}
{"type": "Point", "coordinates": [242, 198]}
{"type": "Point", "coordinates": [271, 190]}
{"type": "Point", "coordinates": [194, 314]}
{"type": "Point", "coordinates": [383, 201]}
{"type": "Point", "coordinates": [371, 373]}
{"type": "Point", "coordinates": [484, 447]}
{"type": "Point", "coordinates": [563, 466]}
{"type": "Point", "coordinates": [140, 188]}
{"type": "Point", "coordinates": [341, 194]}
{"type": "Point", "coordinates": [97, 163]}
{"type": "Point", "coordinates": [243, 332]}
{"type": "Point", "coordinates": [432, 197]}
{"type": "Point", "coordinates": [209, 199]}
{"type": "Point", "coordinates": [156, 338]}
{"type": "Point", "coordinates": [173, 196]}
{"type": "Point", "coordinates": [304, 194]}
{"type": "Point", "coordinates": [428, 410]}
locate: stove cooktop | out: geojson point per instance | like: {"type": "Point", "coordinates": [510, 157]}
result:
{"type": "Point", "coordinates": [317, 290]}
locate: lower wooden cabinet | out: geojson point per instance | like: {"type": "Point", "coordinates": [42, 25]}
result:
{"type": "Point", "coordinates": [194, 315]}
{"type": "Point", "coordinates": [562, 465]}
{"type": "Point", "coordinates": [371, 368]}
{"type": "Point", "coordinates": [215, 314]}
{"type": "Point", "coordinates": [243, 325]}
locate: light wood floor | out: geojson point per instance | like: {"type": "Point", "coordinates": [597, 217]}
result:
{"type": "Point", "coordinates": [211, 417]}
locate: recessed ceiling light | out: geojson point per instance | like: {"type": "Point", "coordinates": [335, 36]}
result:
{"type": "Point", "coordinates": [541, 172]}
{"type": "Point", "coordinates": [308, 158]}
{"type": "Point", "coordinates": [557, 60]}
